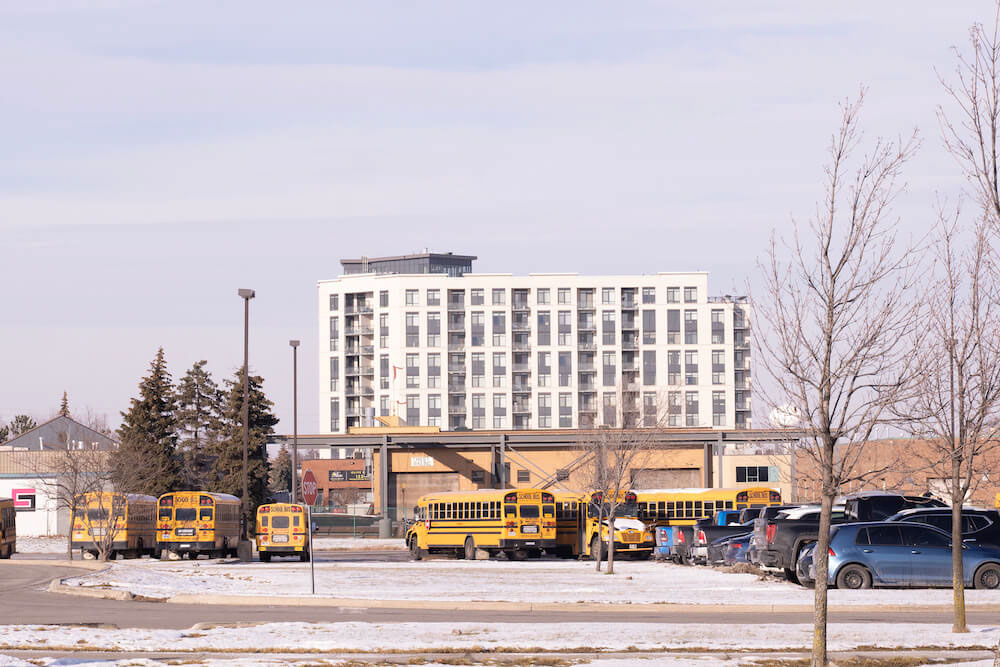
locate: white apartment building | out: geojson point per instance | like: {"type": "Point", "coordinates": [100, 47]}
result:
{"type": "Point", "coordinates": [460, 350]}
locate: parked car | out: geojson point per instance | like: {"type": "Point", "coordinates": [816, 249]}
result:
{"type": "Point", "coordinates": [763, 514]}
{"type": "Point", "coordinates": [750, 513]}
{"type": "Point", "coordinates": [708, 545]}
{"type": "Point", "coordinates": [804, 565]}
{"type": "Point", "coordinates": [736, 549]}
{"type": "Point", "coordinates": [887, 553]}
{"type": "Point", "coordinates": [978, 525]}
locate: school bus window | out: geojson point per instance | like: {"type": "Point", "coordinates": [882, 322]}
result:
{"type": "Point", "coordinates": [279, 521]}
{"type": "Point", "coordinates": [547, 510]}
{"type": "Point", "coordinates": [205, 514]}
{"type": "Point", "coordinates": [295, 520]}
{"type": "Point", "coordinates": [510, 510]}
{"type": "Point", "coordinates": [729, 504]}
{"type": "Point", "coordinates": [529, 511]}
{"type": "Point", "coordinates": [709, 509]}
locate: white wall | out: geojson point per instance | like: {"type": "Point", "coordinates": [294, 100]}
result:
{"type": "Point", "coordinates": [41, 519]}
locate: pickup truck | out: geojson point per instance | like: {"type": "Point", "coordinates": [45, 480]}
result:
{"type": "Point", "coordinates": [707, 531]}
{"type": "Point", "coordinates": [675, 542]}
{"type": "Point", "coordinates": [785, 535]}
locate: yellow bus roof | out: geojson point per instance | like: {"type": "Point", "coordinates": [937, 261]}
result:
{"type": "Point", "coordinates": [214, 496]}
{"type": "Point", "coordinates": [281, 507]}
{"type": "Point", "coordinates": [478, 493]}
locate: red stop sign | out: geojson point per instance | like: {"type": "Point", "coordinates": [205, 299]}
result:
{"type": "Point", "coordinates": [309, 487]}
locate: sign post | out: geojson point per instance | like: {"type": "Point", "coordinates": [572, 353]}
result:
{"type": "Point", "coordinates": [309, 489]}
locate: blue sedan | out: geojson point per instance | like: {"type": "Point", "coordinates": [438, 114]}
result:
{"type": "Point", "coordinates": [863, 555]}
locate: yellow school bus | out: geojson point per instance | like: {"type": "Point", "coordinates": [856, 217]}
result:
{"type": "Point", "coordinates": [121, 523]}
{"type": "Point", "coordinates": [282, 531]}
{"type": "Point", "coordinates": [996, 503]}
{"type": "Point", "coordinates": [683, 507]}
{"type": "Point", "coordinates": [518, 522]}
{"type": "Point", "coordinates": [8, 533]}
{"type": "Point", "coordinates": [582, 520]}
{"type": "Point", "coordinates": [196, 522]}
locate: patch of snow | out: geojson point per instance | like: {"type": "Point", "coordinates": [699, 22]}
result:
{"type": "Point", "coordinates": [376, 637]}
{"type": "Point", "coordinates": [359, 543]}
{"type": "Point", "coordinates": [544, 581]}
{"type": "Point", "coordinates": [41, 545]}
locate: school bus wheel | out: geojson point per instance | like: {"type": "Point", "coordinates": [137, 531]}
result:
{"type": "Point", "coordinates": [470, 548]}
{"type": "Point", "coordinates": [266, 557]}
{"type": "Point", "coordinates": [416, 553]}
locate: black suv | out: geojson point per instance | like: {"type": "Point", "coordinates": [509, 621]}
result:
{"type": "Point", "coordinates": [980, 525]}
{"type": "Point", "coordinates": [879, 505]}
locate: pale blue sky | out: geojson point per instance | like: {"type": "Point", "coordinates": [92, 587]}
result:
{"type": "Point", "coordinates": [159, 155]}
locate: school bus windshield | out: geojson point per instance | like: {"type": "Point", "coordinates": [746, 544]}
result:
{"type": "Point", "coordinates": [623, 511]}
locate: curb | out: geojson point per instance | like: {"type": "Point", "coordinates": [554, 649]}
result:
{"type": "Point", "coordinates": [85, 564]}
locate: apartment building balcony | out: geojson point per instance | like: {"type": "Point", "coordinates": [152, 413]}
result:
{"type": "Point", "coordinates": [630, 344]}
{"type": "Point", "coordinates": [367, 371]}
{"type": "Point", "coordinates": [456, 327]}
{"type": "Point", "coordinates": [359, 391]}
{"type": "Point", "coordinates": [522, 408]}
{"type": "Point", "coordinates": [587, 410]}
{"type": "Point", "coordinates": [630, 368]}
{"type": "Point", "coordinates": [630, 304]}
{"type": "Point", "coordinates": [587, 386]}
{"type": "Point", "coordinates": [587, 370]}
{"type": "Point", "coordinates": [368, 350]}
{"type": "Point", "coordinates": [456, 305]}
{"type": "Point", "coordinates": [352, 351]}
{"type": "Point", "coordinates": [630, 388]}
{"type": "Point", "coordinates": [351, 310]}
{"type": "Point", "coordinates": [586, 346]}
{"type": "Point", "coordinates": [521, 346]}
{"type": "Point", "coordinates": [521, 388]}
{"type": "Point", "coordinates": [522, 368]}
{"type": "Point", "coordinates": [457, 409]}
{"type": "Point", "coordinates": [520, 326]}
{"type": "Point", "coordinates": [586, 304]}
{"type": "Point", "coordinates": [456, 347]}
{"type": "Point", "coordinates": [456, 388]}
{"type": "Point", "coordinates": [352, 370]}
{"type": "Point", "coordinates": [520, 307]}
{"type": "Point", "coordinates": [354, 412]}
{"type": "Point", "coordinates": [456, 368]}
{"type": "Point", "coordinates": [630, 326]}
{"type": "Point", "coordinates": [587, 327]}
{"type": "Point", "coordinates": [359, 331]}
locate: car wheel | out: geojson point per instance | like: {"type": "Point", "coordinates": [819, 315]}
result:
{"type": "Point", "coordinates": [790, 576]}
{"type": "Point", "coordinates": [987, 576]}
{"type": "Point", "coordinates": [854, 577]}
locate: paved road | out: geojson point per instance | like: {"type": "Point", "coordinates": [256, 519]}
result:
{"type": "Point", "coordinates": [26, 601]}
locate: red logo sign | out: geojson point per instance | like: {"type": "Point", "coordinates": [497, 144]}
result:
{"type": "Point", "coordinates": [309, 488]}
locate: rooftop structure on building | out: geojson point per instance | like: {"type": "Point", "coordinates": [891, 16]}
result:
{"type": "Point", "coordinates": [475, 351]}
{"type": "Point", "coordinates": [59, 433]}
{"type": "Point", "coordinates": [425, 262]}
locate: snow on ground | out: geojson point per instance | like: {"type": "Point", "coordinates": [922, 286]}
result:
{"type": "Point", "coordinates": [360, 543]}
{"type": "Point", "coordinates": [494, 580]}
{"type": "Point", "coordinates": [403, 637]}
{"type": "Point", "coordinates": [81, 659]}
{"type": "Point", "coordinates": [41, 545]}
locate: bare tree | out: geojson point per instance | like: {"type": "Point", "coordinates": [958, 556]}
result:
{"type": "Point", "coordinates": [972, 137]}
{"type": "Point", "coordinates": [838, 313]}
{"type": "Point", "coordinates": [75, 473]}
{"type": "Point", "coordinates": [615, 456]}
{"type": "Point", "coordinates": [955, 406]}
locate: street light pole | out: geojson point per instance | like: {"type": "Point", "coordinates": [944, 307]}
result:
{"type": "Point", "coordinates": [246, 295]}
{"type": "Point", "coordinates": [295, 418]}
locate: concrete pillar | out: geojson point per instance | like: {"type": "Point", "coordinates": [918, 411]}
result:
{"type": "Point", "coordinates": [708, 465]}
{"type": "Point", "coordinates": [503, 461]}
{"type": "Point", "coordinates": [385, 523]}
{"type": "Point", "coordinates": [718, 460]}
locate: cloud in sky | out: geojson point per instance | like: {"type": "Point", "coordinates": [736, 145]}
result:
{"type": "Point", "coordinates": [158, 153]}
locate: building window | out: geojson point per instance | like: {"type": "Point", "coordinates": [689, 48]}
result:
{"type": "Point", "coordinates": [610, 372]}
{"type": "Point", "coordinates": [673, 367]}
{"type": "Point", "coordinates": [499, 296]}
{"type": "Point", "coordinates": [434, 403]}
{"type": "Point", "coordinates": [523, 476]}
{"type": "Point", "coordinates": [691, 408]}
{"type": "Point", "coordinates": [412, 370]}
{"type": "Point", "coordinates": [718, 367]}
{"type": "Point", "coordinates": [434, 370]}
{"type": "Point", "coordinates": [334, 334]}
{"type": "Point", "coordinates": [478, 421]}
{"type": "Point", "coordinates": [383, 299]}
{"type": "Point", "coordinates": [499, 381]}
{"type": "Point", "coordinates": [690, 295]}
{"type": "Point", "coordinates": [674, 408]}
{"type": "Point", "coordinates": [433, 329]}
{"type": "Point", "coordinates": [718, 408]}
{"type": "Point", "coordinates": [433, 297]}
{"type": "Point", "coordinates": [673, 295]}
{"type": "Point", "coordinates": [607, 295]}
{"type": "Point", "coordinates": [499, 328]}
{"type": "Point", "coordinates": [334, 373]}
{"type": "Point", "coordinates": [718, 327]}
{"type": "Point", "coordinates": [477, 329]}
{"type": "Point", "coordinates": [383, 330]}
{"type": "Point", "coordinates": [608, 327]}
{"type": "Point", "coordinates": [542, 296]}
{"type": "Point", "coordinates": [649, 295]}
{"type": "Point", "coordinates": [649, 327]}
{"type": "Point", "coordinates": [411, 297]}
{"type": "Point", "coordinates": [757, 474]}
{"type": "Point", "coordinates": [477, 297]}
{"type": "Point", "coordinates": [412, 330]}
{"type": "Point", "coordinates": [499, 422]}
{"type": "Point", "coordinates": [413, 409]}
{"type": "Point", "coordinates": [610, 409]}
{"type": "Point", "coordinates": [564, 295]}
{"type": "Point", "coordinates": [500, 402]}
{"type": "Point", "coordinates": [383, 406]}
{"type": "Point", "coordinates": [334, 301]}
{"type": "Point", "coordinates": [690, 327]}
{"type": "Point", "coordinates": [673, 327]}
{"type": "Point", "coordinates": [690, 367]}
{"type": "Point", "coordinates": [334, 415]}
{"type": "Point", "coordinates": [544, 421]}
{"type": "Point", "coordinates": [565, 327]}
{"type": "Point", "coordinates": [383, 371]}
{"type": "Point", "coordinates": [649, 415]}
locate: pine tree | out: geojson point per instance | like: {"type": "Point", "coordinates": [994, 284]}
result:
{"type": "Point", "coordinates": [148, 433]}
{"type": "Point", "coordinates": [64, 406]}
{"type": "Point", "coordinates": [227, 468]}
{"type": "Point", "coordinates": [4, 433]}
{"type": "Point", "coordinates": [199, 423]}
{"type": "Point", "coordinates": [21, 424]}
{"type": "Point", "coordinates": [281, 472]}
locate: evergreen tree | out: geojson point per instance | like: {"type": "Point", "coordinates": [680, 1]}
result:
{"type": "Point", "coordinates": [64, 406]}
{"type": "Point", "coordinates": [281, 472]}
{"type": "Point", "coordinates": [4, 433]}
{"type": "Point", "coordinates": [148, 433]}
{"type": "Point", "coordinates": [21, 424]}
{"type": "Point", "coordinates": [227, 468]}
{"type": "Point", "coordinates": [199, 423]}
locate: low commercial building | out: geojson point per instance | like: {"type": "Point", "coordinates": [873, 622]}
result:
{"type": "Point", "coordinates": [344, 485]}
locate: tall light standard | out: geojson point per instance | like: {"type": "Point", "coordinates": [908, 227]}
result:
{"type": "Point", "coordinates": [246, 295]}
{"type": "Point", "coordinates": [295, 418]}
